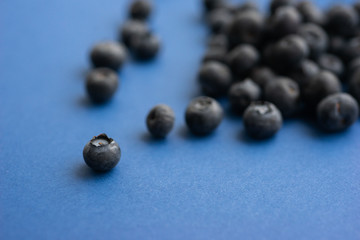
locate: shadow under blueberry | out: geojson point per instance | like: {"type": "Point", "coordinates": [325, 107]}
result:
{"type": "Point", "coordinates": [84, 172]}
{"type": "Point", "coordinates": [148, 138]}
{"type": "Point", "coordinates": [245, 138]}
{"type": "Point", "coordinates": [185, 133]}
{"type": "Point", "coordinates": [85, 102]}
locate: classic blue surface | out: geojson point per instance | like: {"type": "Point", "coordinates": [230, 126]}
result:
{"type": "Point", "coordinates": [300, 185]}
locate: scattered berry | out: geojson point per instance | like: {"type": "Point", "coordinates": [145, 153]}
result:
{"type": "Point", "coordinates": [160, 121]}
{"type": "Point", "coordinates": [101, 84]}
{"type": "Point", "coordinates": [108, 54]}
{"type": "Point", "coordinates": [241, 94]}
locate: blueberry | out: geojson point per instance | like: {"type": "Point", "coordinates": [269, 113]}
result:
{"type": "Point", "coordinates": [215, 54]}
{"type": "Point", "coordinates": [145, 47]}
{"type": "Point", "coordinates": [246, 27]}
{"type": "Point", "coordinates": [203, 115]}
{"type": "Point", "coordinates": [337, 112]}
{"type": "Point", "coordinates": [241, 94]}
{"type": "Point", "coordinates": [160, 121]}
{"type": "Point", "coordinates": [108, 54]}
{"type": "Point", "coordinates": [336, 45]}
{"type": "Point", "coordinates": [354, 85]}
{"type": "Point", "coordinates": [341, 20]}
{"type": "Point", "coordinates": [285, 21]}
{"type": "Point", "coordinates": [247, 6]}
{"type": "Point", "coordinates": [102, 153]}
{"type": "Point", "coordinates": [140, 9]}
{"type": "Point", "coordinates": [262, 75]}
{"type": "Point", "coordinates": [210, 5]}
{"type": "Point", "coordinates": [218, 41]}
{"type": "Point", "coordinates": [332, 64]}
{"type": "Point", "coordinates": [242, 59]}
{"type": "Point", "coordinates": [285, 94]}
{"type": "Point", "coordinates": [352, 68]}
{"type": "Point", "coordinates": [262, 120]}
{"type": "Point", "coordinates": [287, 53]}
{"type": "Point", "coordinates": [351, 50]}
{"type": "Point", "coordinates": [356, 7]}
{"type": "Point", "coordinates": [275, 4]}
{"type": "Point", "coordinates": [316, 39]}
{"type": "Point", "coordinates": [304, 73]}
{"type": "Point", "coordinates": [133, 29]}
{"type": "Point", "coordinates": [310, 13]}
{"type": "Point", "coordinates": [214, 78]}
{"type": "Point", "coordinates": [219, 20]}
{"type": "Point", "coordinates": [321, 86]}
{"type": "Point", "coordinates": [101, 84]}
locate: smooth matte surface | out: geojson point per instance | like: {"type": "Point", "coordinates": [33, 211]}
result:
{"type": "Point", "coordinates": [300, 185]}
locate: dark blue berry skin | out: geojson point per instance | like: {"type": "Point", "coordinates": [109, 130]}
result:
{"type": "Point", "coordinates": [246, 28]}
{"type": "Point", "coordinates": [203, 115]}
{"type": "Point", "coordinates": [262, 120]}
{"type": "Point", "coordinates": [336, 45]}
{"type": "Point", "coordinates": [215, 54]}
{"type": "Point", "coordinates": [160, 121]}
{"type": "Point", "coordinates": [321, 86]}
{"type": "Point", "coordinates": [133, 29]}
{"type": "Point", "coordinates": [337, 112]}
{"type": "Point", "coordinates": [352, 68]}
{"type": "Point", "coordinates": [356, 7]}
{"type": "Point", "coordinates": [351, 50]}
{"type": "Point", "coordinates": [315, 37]}
{"type": "Point", "coordinates": [285, 21]}
{"type": "Point", "coordinates": [275, 4]}
{"type": "Point", "coordinates": [219, 20]}
{"type": "Point", "coordinates": [210, 5]}
{"type": "Point", "coordinates": [146, 47]}
{"type": "Point", "coordinates": [247, 6]}
{"type": "Point", "coordinates": [102, 153]}
{"type": "Point", "coordinates": [241, 94]}
{"type": "Point", "coordinates": [286, 54]}
{"type": "Point", "coordinates": [140, 9]}
{"type": "Point", "coordinates": [285, 94]}
{"type": "Point", "coordinates": [101, 84]}
{"type": "Point", "coordinates": [214, 78]}
{"type": "Point", "coordinates": [354, 85]}
{"type": "Point", "coordinates": [262, 75]}
{"type": "Point", "coordinates": [342, 21]}
{"type": "Point", "coordinates": [304, 73]}
{"type": "Point", "coordinates": [332, 64]}
{"type": "Point", "coordinates": [108, 54]}
{"type": "Point", "coordinates": [218, 41]}
{"type": "Point", "coordinates": [310, 13]}
{"type": "Point", "coordinates": [242, 60]}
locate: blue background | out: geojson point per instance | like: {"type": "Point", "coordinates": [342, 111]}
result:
{"type": "Point", "coordinates": [300, 185]}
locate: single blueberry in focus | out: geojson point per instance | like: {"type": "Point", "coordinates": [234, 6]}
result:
{"type": "Point", "coordinates": [337, 112]}
{"type": "Point", "coordinates": [203, 115]}
{"type": "Point", "coordinates": [101, 84]}
{"type": "Point", "coordinates": [108, 54]}
{"type": "Point", "coordinates": [102, 153]}
{"type": "Point", "coordinates": [262, 120]}
{"type": "Point", "coordinates": [241, 94]}
{"type": "Point", "coordinates": [160, 121]}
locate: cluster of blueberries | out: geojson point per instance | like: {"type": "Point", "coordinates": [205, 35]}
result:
{"type": "Point", "coordinates": [102, 153]}
{"type": "Point", "coordinates": [108, 57]}
{"type": "Point", "coordinates": [295, 61]}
